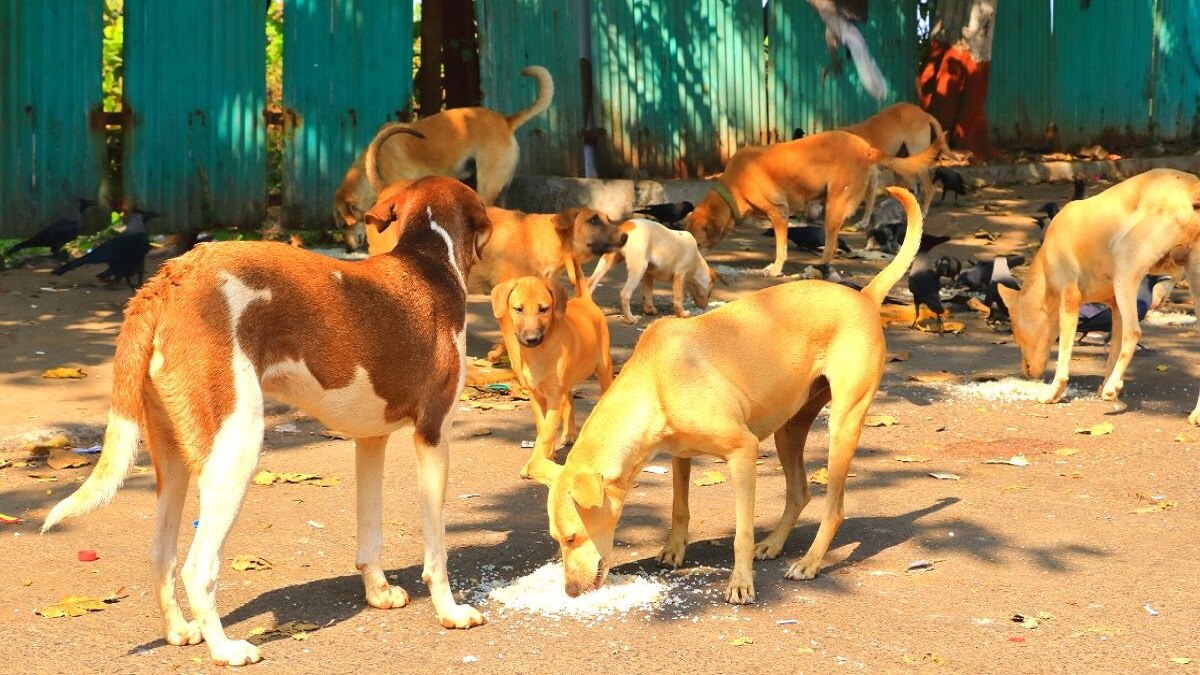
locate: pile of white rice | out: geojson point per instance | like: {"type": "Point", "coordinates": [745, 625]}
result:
{"type": "Point", "coordinates": [1169, 319]}
{"type": "Point", "coordinates": [541, 592]}
{"type": "Point", "coordinates": [1008, 389]}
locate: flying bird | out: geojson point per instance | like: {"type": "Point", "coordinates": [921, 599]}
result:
{"type": "Point", "coordinates": [840, 17]}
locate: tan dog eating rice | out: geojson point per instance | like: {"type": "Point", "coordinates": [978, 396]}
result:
{"type": "Point", "coordinates": [717, 385]}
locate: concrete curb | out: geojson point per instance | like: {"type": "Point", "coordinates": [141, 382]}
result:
{"type": "Point", "coordinates": [617, 197]}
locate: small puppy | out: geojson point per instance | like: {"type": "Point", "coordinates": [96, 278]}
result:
{"type": "Point", "coordinates": [554, 344]}
{"type": "Point", "coordinates": [1098, 250]}
{"type": "Point", "coordinates": [654, 252]}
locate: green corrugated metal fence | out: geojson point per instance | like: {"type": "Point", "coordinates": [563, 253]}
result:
{"type": "Point", "coordinates": [543, 34]}
{"type": "Point", "coordinates": [1115, 72]}
{"type": "Point", "coordinates": [51, 120]}
{"type": "Point", "coordinates": [195, 83]}
{"type": "Point", "coordinates": [347, 68]}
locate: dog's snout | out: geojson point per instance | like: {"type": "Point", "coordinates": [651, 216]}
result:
{"type": "Point", "coordinates": [531, 338]}
{"type": "Point", "coordinates": [600, 247]}
{"type": "Point", "coordinates": [572, 589]}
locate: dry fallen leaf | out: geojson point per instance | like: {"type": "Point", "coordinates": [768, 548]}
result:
{"type": "Point", "coordinates": [334, 434]}
{"type": "Point", "coordinates": [1182, 438]}
{"type": "Point", "coordinates": [1181, 660]}
{"type": "Point", "coordinates": [61, 458]}
{"type": "Point", "coordinates": [64, 373]}
{"type": "Point", "coordinates": [246, 563]}
{"type": "Point", "coordinates": [710, 477]}
{"type": "Point", "coordinates": [1015, 460]}
{"type": "Point", "coordinates": [78, 605]}
{"type": "Point", "coordinates": [297, 630]}
{"type": "Point", "coordinates": [820, 476]}
{"type": "Point", "coordinates": [43, 477]}
{"type": "Point", "coordinates": [1016, 486]}
{"type": "Point", "coordinates": [944, 475]}
{"type": "Point", "coordinates": [270, 477]}
{"type": "Point", "coordinates": [9, 520]}
{"type": "Point", "coordinates": [806, 650]}
{"type": "Point", "coordinates": [1155, 507]}
{"type": "Point", "coordinates": [1026, 621]}
{"type": "Point", "coordinates": [742, 641]}
{"type": "Point", "coordinates": [901, 355]}
{"type": "Point", "coordinates": [1066, 452]}
{"type": "Point", "coordinates": [933, 377]}
{"type": "Point", "coordinates": [911, 458]}
{"type": "Point", "coordinates": [880, 421]}
{"type": "Point", "coordinates": [1162, 368]}
{"type": "Point", "coordinates": [1100, 429]}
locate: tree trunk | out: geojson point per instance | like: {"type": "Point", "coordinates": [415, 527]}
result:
{"type": "Point", "coordinates": [461, 55]}
{"type": "Point", "coordinates": [433, 36]}
{"type": "Point", "coordinates": [953, 80]}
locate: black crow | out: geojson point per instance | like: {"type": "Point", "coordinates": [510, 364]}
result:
{"type": "Point", "coordinates": [952, 181]}
{"type": "Point", "coordinates": [797, 133]}
{"type": "Point", "coordinates": [58, 234]}
{"type": "Point", "coordinates": [1079, 183]}
{"type": "Point", "coordinates": [125, 254]}
{"type": "Point", "coordinates": [1095, 317]}
{"type": "Point", "coordinates": [831, 275]}
{"type": "Point", "coordinates": [668, 213]}
{"type": "Point", "coordinates": [979, 276]}
{"type": "Point", "coordinates": [926, 286]}
{"type": "Point", "coordinates": [809, 238]}
{"type": "Point", "coordinates": [1001, 276]}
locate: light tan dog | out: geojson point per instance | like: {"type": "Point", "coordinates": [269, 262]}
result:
{"type": "Point", "coordinates": [554, 344]}
{"type": "Point", "coordinates": [1097, 250]}
{"type": "Point", "coordinates": [656, 252]}
{"type": "Point", "coordinates": [780, 179]}
{"type": "Point", "coordinates": [717, 385]}
{"type": "Point", "coordinates": [455, 138]}
{"type": "Point", "coordinates": [223, 327]}
{"type": "Point", "coordinates": [899, 128]}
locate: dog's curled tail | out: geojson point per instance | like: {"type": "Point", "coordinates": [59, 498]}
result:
{"type": "Point", "coordinates": [879, 287]}
{"type": "Point", "coordinates": [131, 369]}
{"type": "Point", "coordinates": [908, 167]}
{"type": "Point", "coordinates": [545, 94]}
{"type": "Point", "coordinates": [371, 162]}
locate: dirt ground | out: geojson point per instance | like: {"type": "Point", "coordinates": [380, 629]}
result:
{"type": "Point", "coordinates": [1115, 589]}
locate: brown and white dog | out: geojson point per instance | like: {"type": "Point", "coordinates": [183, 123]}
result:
{"type": "Point", "coordinates": [901, 129]}
{"type": "Point", "coordinates": [219, 329]}
{"type": "Point", "coordinates": [777, 180]}
{"type": "Point", "coordinates": [743, 383]}
{"type": "Point", "coordinates": [554, 344]}
{"type": "Point", "coordinates": [456, 138]}
{"type": "Point", "coordinates": [1097, 250]}
{"type": "Point", "coordinates": [656, 252]}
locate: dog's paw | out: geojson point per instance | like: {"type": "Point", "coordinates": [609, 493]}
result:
{"type": "Point", "coordinates": [772, 270]}
{"type": "Point", "coordinates": [682, 313]}
{"type": "Point", "coordinates": [460, 616]}
{"type": "Point", "coordinates": [768, 549]}
{"type": "Point", "coordinates": [387, 597]}
{"type": "Point", "coordinates": [1111, 391]}
{"type": "Point", "coordinates": [629, 319]}
{"type": "Point", "coordinates": [185, 633]}
{"type": "Point", "coordinates": [1053, 392]}
{"type": "Point", "coordinates": [234, 653]}
{"type": "Point", "coordinates": [741, 589]}
{"type": "Point", "coordinates": [803, 570]}
{"type": "Point", "coordinates": [650, 310]}
{"type": "Point", "coordinates": [672, 552]}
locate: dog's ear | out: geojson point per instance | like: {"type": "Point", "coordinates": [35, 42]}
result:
{"type": "Point", "coordinates": [500, 297]}
{"type": "Point", "coordinates": [481, 225]}
{"type": "Point", "coordinates": [1009, 297]}
{"type": "Point", "coordinates": [587, 489]}
{"type": "Point", "coordinates": [381, 215]}
{"type": "Point", "coordinates": [545, 471]}
{"type": "Point", "coordinates": [560, 298]}
{"type": "Point", "coordinates": [565, 221]}
{"type": "Point", "coordinates": [716, 278]}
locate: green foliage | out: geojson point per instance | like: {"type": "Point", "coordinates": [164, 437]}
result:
{"type": "Point", "coordinates": [113, 62]}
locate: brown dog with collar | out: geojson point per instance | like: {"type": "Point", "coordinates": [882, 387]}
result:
{"type": "Point", "coordinates": [455, 139]}
{"type": "Point", "coordinates": [717, 385]}
{"type": "Point", "coordinates": [223, 327]}
{"type": "Point", "coordinates": [777, 180]}
{"type": "Point", "coordinates": [1098, 250]}
{"type": "Point", "coordinates": [554, 344]}
{"type": "Point", "coordinates": [899, 129]}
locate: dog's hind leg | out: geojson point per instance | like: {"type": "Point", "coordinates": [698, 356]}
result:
{"type": "Point", "coordinates": [604, 366]}
{"type": "Point", "coordinates": [851, 401]}
{"type": "Point", "coordinates": [1193, 276]}
{"type": "Point", "coordinates": [927, 191]}
{"type": "Point", "coordinates": [1113, 342]}
{"type": "Point", "coordinates": [780, 224]}
{"type": "Point", "coordinates": [493, 171]}
{"type": "Point", "coordinates": [648, 307]}
{"type": "Point", "coordinates": [789, 445]}
{"type": "Point", "coordinates": [673, 550]}
{"type": "Point", "coordinates": [1068, 321]}
{"type": "Point", "coordinates": [368, 471]}
{"type": "Point", "coordinates": [569, 431]}
{"type": "Point", "coordinates": [869, 207]}
{"type": "Point", "coordinates": [677, 296]}
{"type": "Point", "coordinates": [637, 272]}
{"type": "Point", "coordinates": [432, 469]}
{"type": "Point", "coordinates": [1131, 332]}
{"type": "Point", "coordinates": [173, 476]}
{"type": "Point", "coordinates": [223, 482]}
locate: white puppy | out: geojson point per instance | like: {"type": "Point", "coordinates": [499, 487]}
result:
{"type": "Point", "coordinates": [652, 251]}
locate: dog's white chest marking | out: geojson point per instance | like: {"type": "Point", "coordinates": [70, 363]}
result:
{"type": "Point", "coordinates": [354, 409]}
{"type": "Point", "coordinates": [441, 232]}
{"type": "Point", "coordinates": [337, 275]}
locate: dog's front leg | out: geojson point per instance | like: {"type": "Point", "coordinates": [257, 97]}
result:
{"type": "Point", "coordinates": [677, 296]}
{"type": "Point", "coordinates": [637, 270]}
{"type": "Point", "coordinates": [368, 471]}
{"type": "Point", "coordinates": [1068, 320]}
{"type": "Point", "coordinates": [780, 225]}
{"type": "Point", "coordinates": [681, 475]}
{"type": "Point", "coordinates": [742, 467]}
{"type": "Point", "coordinates": [432, 461]}
{"type": "Point", "coordinates": [549, 409]}
{"type": "Point", "coordinates": [1131, 333]}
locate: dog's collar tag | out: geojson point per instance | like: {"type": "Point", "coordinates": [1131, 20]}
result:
{"type": "Point", "coordinates": [724, 193]}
